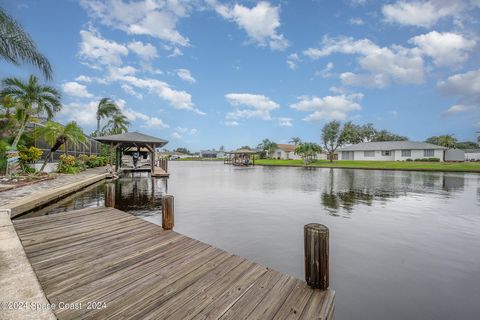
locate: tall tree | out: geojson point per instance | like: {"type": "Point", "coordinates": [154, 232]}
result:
{"type": "Point", "coordinates": [117, 124]}
{"type": "Point", "coordinates": [467, 145]}
{"type": "Point", "coordinates": [384, 135]}
{"type": "Point", "coordinates": [332, 137]}
{"type": "Point", "coordinates": [296, 141]}
{"type": "Point", "coordinates": [57, 135]}
{"type": "Point", "coordinates": [308, 151]}
{"type": "Point", "coordinates": [106, 108]}
{"type": "Point", "coordinates": [32, 99]}
{"type": "Point", "coordinates": [267, 146]}
{"type": "Point", "coordinates": [16, 45]}
{"type": "Point", "coordinates": [446, 140]}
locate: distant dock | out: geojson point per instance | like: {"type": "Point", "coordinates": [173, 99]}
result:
{"type": "Point", "coordinates": [108, 264]}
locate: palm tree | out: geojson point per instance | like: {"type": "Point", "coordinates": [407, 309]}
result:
{"type": "Point", "coordinates": [32, 99]}
{"type": "Point", "coordinates": [308, 151]}
{"type": "Point", "coordinates": [117, 124]}
{"type": "Point", "coordinates": [447, 140]}
{"type": "Point", "coordinates": [106, 108]}
{"type": "Point", "coordinates": [267, 146]}
{"type": "Point", "coordinates": [296, 141]}
{"type": "Point", "coordinates": [17, 46]}
{"type": "Point", "coordinates": [57, 135]}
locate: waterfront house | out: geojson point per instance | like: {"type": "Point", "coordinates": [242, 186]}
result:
{"type": "Point", "coordinates": [391, 151]}
{"type": "Point", "coordinates": [472, 154]}
{"type": "Point", "coordinates": [284, 151]}
{"type": "Point", "coordinates": [212, 154]}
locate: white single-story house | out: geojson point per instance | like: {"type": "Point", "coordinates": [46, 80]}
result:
{"type": "Point", "coordinates": [472, 154]}
{"type": "Point", "coordinates": [287, 152]}
{"type": "Point", "coordinates": [212, 154]}
{"type": "Point", "coordinates": [391, 151]}
{"type": "Point", "coordinates": [284, 151]}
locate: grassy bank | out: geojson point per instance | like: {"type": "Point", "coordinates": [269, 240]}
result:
{"type": "Point", "coordinates": [383, 165]}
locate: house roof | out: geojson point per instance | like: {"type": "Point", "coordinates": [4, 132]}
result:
{"type": "Point", "coordinates": [391, 145]}
{"type": "Point", "coordinates": [240, 151]}
{"type": "Point", "coordinates": [133, 138]}
{"type": "Point", "coordinates": [286, 147]}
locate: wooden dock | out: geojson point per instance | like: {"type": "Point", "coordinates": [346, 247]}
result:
{"type": "Point", "coordinates": [159, 172]}
{"type": "Point", "coordinates": [134, 269]}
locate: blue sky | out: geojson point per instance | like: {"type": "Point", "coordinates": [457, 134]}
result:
{"type": "Point", "coordinates": [206, 73]}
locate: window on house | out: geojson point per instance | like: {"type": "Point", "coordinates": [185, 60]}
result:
{"type": "Point", "coordinates": [386, 153]}
{"type": "Point", "coordinates": [406, 153]}
{"type": "Point", "coordinates": [428, 153]}
{"type": "Point", "coordinates": [369, 153]}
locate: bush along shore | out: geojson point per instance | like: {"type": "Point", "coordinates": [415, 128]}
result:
{"type": "Point", "coordinates": [380, 165]}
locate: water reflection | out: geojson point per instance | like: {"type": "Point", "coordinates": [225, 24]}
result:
{"type": "Point", "coordinates": [136, 193]}
{"type": "Point", "coordinates": [344, 189]}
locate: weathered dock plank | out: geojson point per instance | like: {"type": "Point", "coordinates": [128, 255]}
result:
{"type": "Point", "coordinates": [137, 270]}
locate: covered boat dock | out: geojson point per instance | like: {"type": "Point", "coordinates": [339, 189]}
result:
{"type": "Point", "coordinates": [141, 149]}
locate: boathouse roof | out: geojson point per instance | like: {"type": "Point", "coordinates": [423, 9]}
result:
{"type": "Point", "coordinates": [133, 138]}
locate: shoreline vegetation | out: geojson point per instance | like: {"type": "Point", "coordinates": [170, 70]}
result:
{"type": "Point", "coordinates": [372, 165]}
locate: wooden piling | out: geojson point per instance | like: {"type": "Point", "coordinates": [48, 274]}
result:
{"type": "Point", "coordinates": [167, 212]}
{"type": "Point", "coordinates": [316, 238]}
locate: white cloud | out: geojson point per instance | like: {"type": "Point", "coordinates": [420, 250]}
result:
{"type": "Point", "coordinates": [356, 21]}
{"type": "Point", "coordinates": [128, 89]}
{"type": "Point", "coordinates": [146, 120]}
{"type": "Point", "coordinates": [379, 80]}
{"type": "Point", "coordinates": [420, 13]}
{"type": "Point", "coordinates": [285, 122]}
{"type": "Point", "coordinates": [181, 132]}
{"type": "Point", "coordinates": [458, 108]}
{"type": "Point", "coordinates": [148, 17]}
{"type": "Point", "coordinates": [83, 78]}
{"type": "Point", "coordinates": [394, 63]}
{"type": "Point", "coordinates": [185, 75]}
{"type": "Point", "coordinates": [329, 107]}
{"type": "Point", "coordinates": [446, 49]}
{"type": "Point", "coordinates": [231, 123]}
{"type": "Point", "coordinates": [325, 72]}
{"type": "Point", "coordinates": [462, 84]}
{"type": "Point", "coordinates": [176, 98]}
{"type": "Point", "coordinates": [83, 113]}
{"type": "Point", "coordinates": [146, 52]}
{"type": "Point", "coordinates": [255, 106]}
{"type": "Point", "coordinates": [465, 86]}
{"type": "Point", "coordinates": [97, 50]}
{"type": "Point", "coordinates": [293, 60]}
{"type": "Point", "coordinates": [76, 89]}
{"type": "Point", "coordinates": [260, 22]}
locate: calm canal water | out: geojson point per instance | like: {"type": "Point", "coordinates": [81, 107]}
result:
{"type": "Point", "coordinates": [404, 245]}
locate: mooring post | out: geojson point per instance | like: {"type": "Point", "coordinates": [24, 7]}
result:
{"type": "Point", "coordinates": [316, 255]}
{"type": "Point", "coordinates": [167, 212]}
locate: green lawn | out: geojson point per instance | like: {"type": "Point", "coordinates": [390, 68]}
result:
{"type": "Point", "coordinates": [392, 165]}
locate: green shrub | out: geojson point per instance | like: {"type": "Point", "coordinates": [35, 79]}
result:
{"type": "Point", "coordinates": [68, 164]}
{"type": "Point", "coordinates": [409, 159]}
{"type": "Point", "coordinates": [29, 155]}
{"type": "Point", "coordinates": [428, 159]}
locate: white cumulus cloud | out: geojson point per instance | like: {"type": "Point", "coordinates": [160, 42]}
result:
{"type": "Point", "coordinates": [420, 13]}
{"type": "Point", "coordinates": [97, 50]}
{"type": "Point", "coordinates": [144, 51]}
{"type": "Point", "coordinates": [328, 107]}
{"type": "Point", "coordinates": [259, 22]}
{"type": "Point", "coordinates": [76, 89]}
{"type": "Point", "coordinates": [185, 75]}
{"type": "Point", "coordinates": [250, 106]}
{"type": "Point", "coordinates": [464, 86]}
{"type": "Point", "coordinates": [148, 17]}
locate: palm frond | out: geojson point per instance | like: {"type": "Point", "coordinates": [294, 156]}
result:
{"type": "Point", "coordinates": [17, 46]}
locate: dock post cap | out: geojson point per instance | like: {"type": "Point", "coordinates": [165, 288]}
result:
{"type": "Point", "coordinates": [316, 227]}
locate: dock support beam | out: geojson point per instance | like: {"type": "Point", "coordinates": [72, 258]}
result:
{"type": "Point", "coordinates": [316, 255]}
{"type": "Point", "coordinates": [167, 212]}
